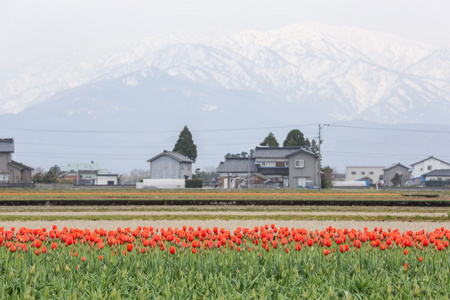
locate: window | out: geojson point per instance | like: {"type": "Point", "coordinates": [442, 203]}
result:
{"type": "Point", "coordinates": [363, 173]}
{"type": "Point", "coordinates": [370, 173]}
{"type": "Point", "coordinates": [268, 164]}
{"type": "Point", "coordinates": [429, 168]}
{"type": "Point", "coordinates": [286, 163]}
{"type": "Point", "coordinates": [353, 173]}
{"type": "Point", "coordinates": [299, 163]}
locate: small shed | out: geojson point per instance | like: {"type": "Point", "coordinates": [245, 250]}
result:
{"type": "Point", "coordinates": [170, 165]}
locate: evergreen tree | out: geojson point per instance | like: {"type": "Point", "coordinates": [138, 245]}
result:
{"type": "Point", "coordinates": [397, 180]}
{"type": "Point", "coordinates": [270, 141]}
{"type": "Point", "coordinates": [294, 138]}
{"type": "Point", "coordinates": [185, 145]}
{"type": "Point", "coordinates": [314, 147]}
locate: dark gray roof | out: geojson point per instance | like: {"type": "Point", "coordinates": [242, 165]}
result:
{"type": "Point", "coordinates": [175, 155]}
{"type": "Point", "coordinates": [441, 172]}
{"type": "Point", "coordinates": [237, 165]}
{"type": "Point", "coordinates": [20, 165]}
{"type": "Point", "coordinates": [6, 145]}
{"type": "Point", "coordinates": [301, 151]}
{"type": "Point", "coordinates": [274, 171]}
{"type": "Point", "coordinates": [429, 158]}
{"type": "Point", "coordinates": [274, 152]}
{"type": "Point", "coordinates": [393, 166]}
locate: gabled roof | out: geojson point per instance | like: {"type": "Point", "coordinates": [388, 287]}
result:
{"type": "Point", "coordinates": [20, 165]}
{"type": "Point", "coordinates": [79, 167]}
{"type": "Point", "coordinates": [301, 151]}
{"type": "Point", "coordinates": [274, 152]}
{"type": "Point", "coordinates": [441, 172]}
{"type": "Point", "coordinates": [175, 155]}
{"type": "Point", "coordinates": [396, 165]}
{"type": "Point", "coordinates": [431, 157]}
{"type": "Point", "coordinates": [7, 145]}
{"type": "Point", "coordinates": [237, 165]}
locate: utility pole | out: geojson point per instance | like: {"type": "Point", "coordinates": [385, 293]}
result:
{"type": "Point", "coordinates": [319, 178]}
{"type": "Point", "coordinates": [249, 169]}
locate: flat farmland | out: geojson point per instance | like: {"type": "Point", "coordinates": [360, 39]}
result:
{"type": "Point", "coordinates": [225, 250]}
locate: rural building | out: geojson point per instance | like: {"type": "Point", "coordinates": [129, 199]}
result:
{"type": "Point", "coordinates": [86, 174]}
{"type": "Point", "coordinates": [279, 166]}
{"type": "Point", "coordinates": [442, 175]}
{"type": "Point", "coordinates": [373, 174]}
{"type": "Point", "coordinates": [12, 172]}
{"type": "Point", "coordinates": [389, 174]}
{"type": "Point", "coordinates": [425, 166]}
{"type": "Point", "coordinates": [233, 169]}
{"type": "Point", "coordinates": [170, 165]}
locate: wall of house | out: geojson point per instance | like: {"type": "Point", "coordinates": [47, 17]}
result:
{"type": "Point", "coordinates": [357, 173]}
{"type": "Point", "coordinates": [26, 175]}
{"type": "Point", "coordinates": [166, 167]}
{"type": "Point", "coordinates": [103, 180]}
{"type": "Point", "coordinates": [309, 171]}
{"type": "Point", "coordinates": [4, 172]}
{"type": "Point", "coordinates": [186, 170]}
{"type": "Point", "coordinates": [437, 178]}
{"type": "Point", "coordinates": [14, 175]}
{"type": "Point", "coordinates": [426, 166]}
{"type": "Point", "coordinates": [389, 174]}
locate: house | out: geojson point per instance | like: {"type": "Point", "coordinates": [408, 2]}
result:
{"type": "Point", "coordinates": [234, 168]}
{"type": "Point", "coordinates": [439, 177]}
{"type": "Point", "coordinates": [170, 165]}
{"type": "Point", "coordinates": [371, 173]}
{"type": "Point", "coordinates": [389, 174]}
{"type": "Point", "coordinates": [12, 172]}
{"type": "Point", "coordinates": [86, 174]}
{"type": "Point", "coordinates": [425, 166]}
{"type": "Point", "coordinates": [281, 166]}
{"type": "Point", "coordinates": [303, 169]}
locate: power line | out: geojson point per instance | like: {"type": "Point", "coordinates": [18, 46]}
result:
{"type": "Point", "coordinates": [391, 129]}
{"type": "Point", "coordinates": [152, 131]}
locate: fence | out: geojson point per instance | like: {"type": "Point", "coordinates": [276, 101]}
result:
{"type": "Point", "coordinates": [17, 185]}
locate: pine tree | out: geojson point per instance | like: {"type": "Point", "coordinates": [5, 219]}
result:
{"type": "Point", "coordinates": [270, 141]}
{"type": "Point", "coordinates": [294, 138]}
{"type": "Point", "coordinates": [185, 145]}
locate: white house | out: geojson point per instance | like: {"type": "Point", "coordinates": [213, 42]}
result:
{"type": "Point", "coordinates": [364, 172]}
{"type": "Point", "coordinates": [427, 165]}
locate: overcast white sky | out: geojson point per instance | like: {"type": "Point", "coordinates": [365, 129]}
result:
{"type": "Point", "coordinates": [30, 28]}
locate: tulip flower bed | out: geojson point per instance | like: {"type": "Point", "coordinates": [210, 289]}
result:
{"type": "Point", "coordinates": [214, 195]}
{"type": "Point", "coordinates": [197, 263]}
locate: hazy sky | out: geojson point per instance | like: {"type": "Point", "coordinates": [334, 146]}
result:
{"type": "Point", "coordinates": [30, 28]}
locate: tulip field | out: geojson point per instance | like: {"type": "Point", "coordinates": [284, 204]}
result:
{"type": "Point", "coordinates": [210, 195]}
{"type": "Point", "coordinates": [264, 262]}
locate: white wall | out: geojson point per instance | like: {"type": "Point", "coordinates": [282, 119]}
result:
{"type": "Point", "coordinates": [360, 172]}
{"type": "Point", "coordinates": [426, 166]}
{"type": "Point", "coordinates": [103, 180]}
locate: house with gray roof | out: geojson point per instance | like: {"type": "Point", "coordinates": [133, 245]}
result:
{"type": "Point", "coordinates": [12, 172]}
{"type": "Point", "coordinates": [427, 165]}
{"type": "Point", "coordinates": [442, 176]}
{"type": "Point", "coordinates": [233, 169]}
{"type": "Point", "coordinates": [389, 174]}
{"type": "Point", "coordinates": [170, 165]}
{"type": "Point", "coordinates": [86, 174]}
{"type": "Point", "coordinates": [283, 166]}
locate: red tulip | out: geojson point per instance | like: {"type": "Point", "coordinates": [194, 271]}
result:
{"type": "Point", "coordinates": [129, 247]}
{"type": "Point", "coordinates": [172, 250]}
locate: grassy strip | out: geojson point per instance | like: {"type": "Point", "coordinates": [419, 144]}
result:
{"type": "Point", "coordinates": [230, 217]}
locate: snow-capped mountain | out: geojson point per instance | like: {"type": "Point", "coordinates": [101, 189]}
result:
{"type": "Point", "coordinates": [340, 73]}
